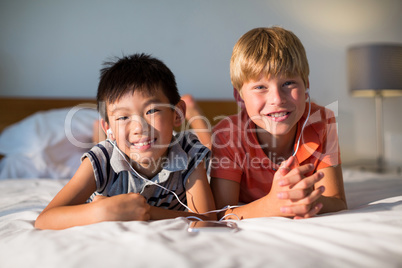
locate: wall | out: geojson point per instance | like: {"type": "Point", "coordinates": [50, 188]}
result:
{"type": "Point", "coordinates": [56, 48]}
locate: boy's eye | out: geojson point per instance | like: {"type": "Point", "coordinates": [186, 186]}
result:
{"type": "Point", "coordinates": [260, 87]}
{"type": "Point", "coordinates": [152, 111]}
{"type": "Point", "coordinates": [288, 83]}
{"type": "Point", "coordinates": [122, 118]}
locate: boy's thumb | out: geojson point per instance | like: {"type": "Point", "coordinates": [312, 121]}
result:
{"type": "Point", "coordinates": [286, 166]}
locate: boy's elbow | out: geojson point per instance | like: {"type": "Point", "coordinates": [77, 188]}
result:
{"type": "Point", "coordinates": [343, 205]}
{"type": "Point", "coordinates": [334, 205]}
{"type": "Point", "coordinates": [38, 223]}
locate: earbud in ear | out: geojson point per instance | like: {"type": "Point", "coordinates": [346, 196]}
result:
{"type": "Point", "coordinates": [308, 92]}
{"type": "Point", "coordinates": [109, 133]}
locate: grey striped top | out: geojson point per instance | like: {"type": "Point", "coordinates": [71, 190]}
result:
{"type": "Point", "coordinates": [114, 176]}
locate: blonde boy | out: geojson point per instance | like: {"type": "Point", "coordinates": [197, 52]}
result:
{"type": "Point", "coordinates": [273, 156]}
{"type": "Point", "coordinates": [141, 172]}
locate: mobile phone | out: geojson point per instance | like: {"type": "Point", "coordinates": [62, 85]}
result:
{"type": "Point", "coordinates": [212, 226]}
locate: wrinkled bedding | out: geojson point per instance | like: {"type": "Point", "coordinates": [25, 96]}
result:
{"type": "Point", "coordinates": [368, 234]}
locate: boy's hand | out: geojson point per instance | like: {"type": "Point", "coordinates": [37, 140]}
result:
{"type": "Point", "coordinates": [123, 207]}
{"type": "Point", "coordinates": [295, 193]}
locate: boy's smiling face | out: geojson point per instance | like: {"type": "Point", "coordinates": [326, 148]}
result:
{"type": "Point", "coordinates": [143, 126]}
{"type": "Point", "coordinates": [275, 104]}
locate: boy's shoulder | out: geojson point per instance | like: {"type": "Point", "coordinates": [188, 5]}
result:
{"type": "Point", "coordinates": [186, 145]}
{"type": "Point", "coordinates": [188, 141]}
{"type": "Point", "coordinates": [320, 116]}
{"type": "Point", "coordinates": [105, 146]}
{"type": "Point", "coordinates": [320, 124]}
{"type": "Point", "coordinates": [101, 150]}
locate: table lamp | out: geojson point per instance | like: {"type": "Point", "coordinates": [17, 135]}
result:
{"type": "Point", "coordinates": [375, 70]}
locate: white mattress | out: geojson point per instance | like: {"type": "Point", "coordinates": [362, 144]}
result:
{"type": "Point", "coordinates": [369, 234]}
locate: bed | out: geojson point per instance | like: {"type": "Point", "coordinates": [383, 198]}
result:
{"type": "Point", "coordinates": [368, 234]}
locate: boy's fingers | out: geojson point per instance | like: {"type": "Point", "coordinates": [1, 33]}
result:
{"type": "Point", "coordinates": [302, 169]}
{"type": "Point", "coordinates": [295, 210]}
{"type": "Point", "coordinates": [294, 195]}
{"type": "Point", "coordinates": [289, 163]}
{"type": "Point", "coordinates": [313, 196]}
{"type": "Point", "coordinates": [303, 206]}
{"type": "Point", "coordinates": [309, 182]}
{"type": "Point", "coordinates": [313, 211]}
{"type": "Point", "coordinates": [296, 175]}
{"type": "Point", "coordinates": [286, 165]}
{"type": "Point", "coordinates": [303, 196]}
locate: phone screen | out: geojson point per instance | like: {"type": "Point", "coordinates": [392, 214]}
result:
{"type": "Point", "coordinates": [212, 226]}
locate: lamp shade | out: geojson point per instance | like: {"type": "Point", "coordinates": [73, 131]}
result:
{"type": "Point", "coordinates": [375, 69]}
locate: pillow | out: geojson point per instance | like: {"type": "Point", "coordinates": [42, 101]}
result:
{"type": "Point", "coordinates": [47, 144]}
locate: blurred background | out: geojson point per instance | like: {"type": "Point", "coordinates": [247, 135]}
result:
{"type": "Point", "coordinates": [56, 48]}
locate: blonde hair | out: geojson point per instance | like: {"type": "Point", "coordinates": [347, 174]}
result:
{"type": "Point", "coordinates": [270, 51]}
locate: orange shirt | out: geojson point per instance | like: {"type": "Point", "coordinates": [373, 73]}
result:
{"type": "Point", "coordinates": [238, 156]}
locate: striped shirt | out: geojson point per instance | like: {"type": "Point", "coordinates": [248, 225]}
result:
{"type": "Point", "coordinates": [114, 176]}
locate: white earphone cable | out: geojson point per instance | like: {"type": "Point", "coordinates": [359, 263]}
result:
{"type": "Point", "coordinates": [164, 188]}
{"type": "Point", "coordinates": [170, 191]}
{"type": "Point", "coordinates": [304, 124]}
{"type": "Point", "coordinates": [175, 195]}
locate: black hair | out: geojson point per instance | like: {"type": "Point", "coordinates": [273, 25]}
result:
{"type": "Point", "coordinates": [137, 72]}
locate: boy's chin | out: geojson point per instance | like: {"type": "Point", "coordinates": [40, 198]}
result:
{"type": "Point", "coordinates": [148, 155]}
{"type": "Point", "coordinates": [277, 131]}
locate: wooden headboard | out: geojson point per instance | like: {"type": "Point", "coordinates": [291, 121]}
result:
{"type": "Point", "coordinates": [14, 109]}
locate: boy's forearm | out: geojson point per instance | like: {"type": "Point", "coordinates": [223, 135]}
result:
{"type": "Point", "coordinates": [160, 214]}
{"type": "Point", "coordinates": [259, 208]}
{"type": "Point", "coordinates": [68, 216]}
{"type": "Point", "coordinates": [331, 204]}
{"type": "Point", "coordinates": [255, 209]}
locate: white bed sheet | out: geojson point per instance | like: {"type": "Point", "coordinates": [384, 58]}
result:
{"type": "Point", "coordinates": [369, 234]}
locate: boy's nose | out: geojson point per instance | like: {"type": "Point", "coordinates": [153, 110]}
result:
{"type": "Point", "coordinates": [275, 96]}
{"type": "Point", "coordinates": [138, 125]}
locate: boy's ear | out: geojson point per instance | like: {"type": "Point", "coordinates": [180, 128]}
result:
{"type": "Point", "coordinates": [239, 93]}
{"type": "Point", "coordinates": [179, 113]}
{"type": "Point", "coordinates": [307, 93]}
{"type": "Point", "coordinates": [105, 126]}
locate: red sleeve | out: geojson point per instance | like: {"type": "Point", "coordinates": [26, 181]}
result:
{"type": "Point", "coordinates": [225, 155]}
{"type": "Point", "coordinates": [330, 143]}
